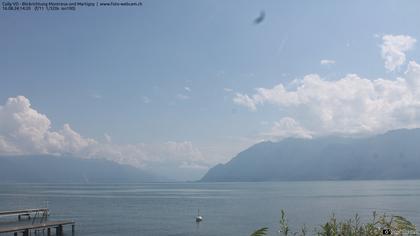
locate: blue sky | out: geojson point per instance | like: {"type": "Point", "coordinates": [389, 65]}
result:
{"type": "Point", "coordinates": [169, 71]}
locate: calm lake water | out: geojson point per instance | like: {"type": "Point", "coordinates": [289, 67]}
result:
{"type": "Point", "coordinates": [164, 209]}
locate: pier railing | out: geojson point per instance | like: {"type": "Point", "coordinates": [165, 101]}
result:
{"type": "Point", "coordinates": [25, 228]}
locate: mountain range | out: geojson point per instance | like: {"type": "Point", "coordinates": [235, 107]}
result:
{"type": "Point", "coordinates": [393, 155]}
{"type": "Point", "coordinates": [68, 169]}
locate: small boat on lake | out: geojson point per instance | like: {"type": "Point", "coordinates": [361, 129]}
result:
{"type": "Point", "coordinates": [199, 218]}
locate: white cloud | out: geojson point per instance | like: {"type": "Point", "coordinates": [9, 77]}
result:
{"type": "Point", "coordinates": [349, 106]}
{"type": "Point", "coordinates": [327, 62]}
{"type": "Point", "coordinates": [245, 100]}
{"type": "Point", "coordinates": [393, 50]}
{"type": "Point", "coordinates": [412, 76]}
{"type": "Point", "coordinates": [278, 94]}
{"type": "Point", "coordinates": [228, 90]}
{"type": "Point", "coordinates": [285, 128]}
{"type": "Point", "coordinates": [23, 130]}
{"type": "Point", "coordinates": [188, 89]}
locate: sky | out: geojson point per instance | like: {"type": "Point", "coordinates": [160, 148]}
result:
{"type": "Point", "coordinates": [176, 87]}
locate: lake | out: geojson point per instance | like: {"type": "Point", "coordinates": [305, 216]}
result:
{"type": "Point", "coordinates": [164, 209]}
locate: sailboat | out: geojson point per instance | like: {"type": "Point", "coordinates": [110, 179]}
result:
{"type": "Point", "coordinates": [199, 218]}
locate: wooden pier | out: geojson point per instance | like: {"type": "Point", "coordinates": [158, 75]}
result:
{"type": "Point", "coordinates": [26, 228]}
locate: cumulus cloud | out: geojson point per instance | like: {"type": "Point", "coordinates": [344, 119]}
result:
{"type": "Point", "coordinates": [24, 130]}
{"type": "Point", "coordinates": [245, 100]}
{"type": "Point", "coordinates": [285, 128]}
{"type": "Point", "coordinates": [351, 105]}
{"type": "Point", "coordinates": [277, 94]}
{"type": "Point", "coordinates": [327, 62]}
{"type": "Point", "coordinates": [393, 50]}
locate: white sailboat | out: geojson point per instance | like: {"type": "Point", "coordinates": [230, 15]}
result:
{"type": "Point", "coordinates": [199, 218]}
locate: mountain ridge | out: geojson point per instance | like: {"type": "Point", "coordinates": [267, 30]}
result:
{"type": "Point", "coordinates": [393, 155]}
{"type": "Point", "coordinates": [68, 169]}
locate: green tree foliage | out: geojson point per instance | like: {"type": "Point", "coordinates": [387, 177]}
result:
{"type": "Point", "coordinates": [260, 232]}
{"type": "Point", "coordinates": [284, 227]}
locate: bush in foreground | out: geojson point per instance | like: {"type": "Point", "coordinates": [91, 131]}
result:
{"type": "Point", "coordinates": [397, 225]}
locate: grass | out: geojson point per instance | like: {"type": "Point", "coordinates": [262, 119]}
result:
{"type": "Point", "coordinates": [397, 225]}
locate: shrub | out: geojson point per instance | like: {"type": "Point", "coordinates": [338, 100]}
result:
{"type": "Point", "coordinates": [398, 225]}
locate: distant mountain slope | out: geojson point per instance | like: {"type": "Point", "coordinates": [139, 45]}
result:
{"type": "Point", "coordinates": [394, 155]}
{"type": "Point", "coordinates": [52, 169]}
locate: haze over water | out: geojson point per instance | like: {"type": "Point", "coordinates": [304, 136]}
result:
{"type": "Point", "coordinates": [163, 209]}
